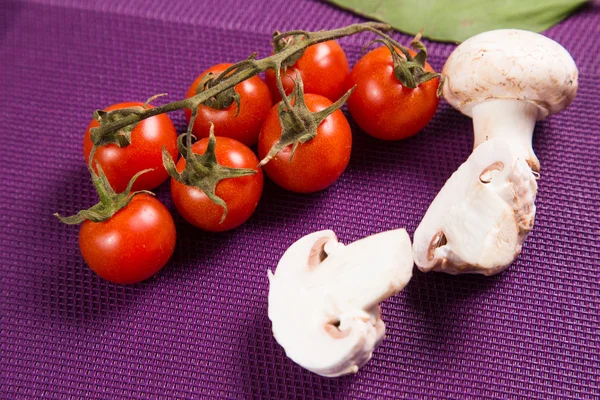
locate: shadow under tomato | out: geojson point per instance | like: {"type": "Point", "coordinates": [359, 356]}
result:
{"type": "Point", "coordinates": [195, 247]}
{"type": "Point", "coordinates": [433, 154]}
{"type": "Point", "coordinates": [11, 10]}
{"type": "Point", "coordinates": [60, 285]}
{"type": "Point", "coordinates": [279, 207]}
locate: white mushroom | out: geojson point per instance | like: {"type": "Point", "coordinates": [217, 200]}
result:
{"type": "Point", "coordinates": [324, 298]}
{"type": "Point", "coordinates": [505, 80]}
{"type": "Point", "coordinates": [482, 215]}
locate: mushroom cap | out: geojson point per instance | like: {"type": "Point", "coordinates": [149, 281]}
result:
{"type": "Point", "coordinates": [324, 297]}
{"type": "Point", "coordinates": [510, 64]}
{"type": "Point", "coordinates": [479, 220]}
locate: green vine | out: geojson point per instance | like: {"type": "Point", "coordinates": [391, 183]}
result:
{"type": "Point", "coordinates": [111, 122]}
{"type": "Point", "coordinates": [299, 125]}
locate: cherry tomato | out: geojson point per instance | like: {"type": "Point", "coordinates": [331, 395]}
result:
{"type": "Point", "coordinates": [382, 106]}
{"type": "Point", "coordinates": [131, 246]}
{"type": "Point", "coordinates": [240, 194]}
{"type": "Point", "coordinates": [255, 102]}
{"type": "Point", "coordinates": [317, 163]}
{"type": "Point", "coordinates": [120, 164]}
{"type": "Point", "coordinates": [323, 68]}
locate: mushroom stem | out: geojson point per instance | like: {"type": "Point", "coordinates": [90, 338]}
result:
{"type": "Point", "coordinates": [510, 119]}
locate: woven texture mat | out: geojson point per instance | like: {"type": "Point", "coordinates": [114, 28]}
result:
{"type": "Point", "coordinates": [199, 329]}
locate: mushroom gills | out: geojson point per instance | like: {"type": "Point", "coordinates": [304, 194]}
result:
{"type": "Point", "coordinates": [439, 240]}
{"type": "Point", "coordinates": [479, 220]}
{"type": "Point", "coordinates": [326, 315]}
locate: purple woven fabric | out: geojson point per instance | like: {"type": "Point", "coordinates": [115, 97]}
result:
{"type": "Point", "coordinates": [199, 329]}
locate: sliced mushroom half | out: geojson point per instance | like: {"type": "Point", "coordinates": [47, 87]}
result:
{"type": "Point", "coordinates": [479, 220]}
{"type": "Point", "coordinates": [324, 298]}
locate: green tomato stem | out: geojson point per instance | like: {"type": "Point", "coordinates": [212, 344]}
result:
{"type": "Point", "coordinates": [245, 70]}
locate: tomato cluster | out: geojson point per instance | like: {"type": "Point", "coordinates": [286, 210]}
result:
{"type": "Point", "coordinates": [138, 239]}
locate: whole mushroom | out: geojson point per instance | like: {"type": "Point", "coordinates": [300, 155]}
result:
{"type": "Point", "coordinates": [505, 80]}
{"type": "Point", "coordinates": [324, 297]}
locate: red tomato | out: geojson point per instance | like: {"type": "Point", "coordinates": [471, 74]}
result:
{"type": "Point", "coordinates": [240, 194]}
{"type": "Point", "coordinates": [131, 246]}
{"type": "Point", "coordinates": [120, 164]}
{"type": "Point", "coordinates": [317, 163]}
{"type": "Point", "coordinates": [381, 106]}
{"type": "Point", "coordinates": [255, 102]}
{"type": "Point", "coordinates": [323, 68]}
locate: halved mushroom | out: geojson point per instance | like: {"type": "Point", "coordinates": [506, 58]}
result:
{"type": "Point", "coordinates": [324, 297]}
{"type": "Point", "coordinates": [479, 220]}
{"type": "Point", "coordinates": [505, 80]}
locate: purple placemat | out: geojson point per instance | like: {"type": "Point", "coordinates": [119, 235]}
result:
{"type": "Point", "coordinates": [199, 329]}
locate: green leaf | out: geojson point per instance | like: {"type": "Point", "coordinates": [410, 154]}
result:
{"type": "Point", "coordinates": [458, 20]}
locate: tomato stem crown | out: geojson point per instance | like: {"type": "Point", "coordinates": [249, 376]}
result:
{"type": "Point", "coordinates": [408, 69]}
{"type": "Point", "coordinates": [282, 41]}
{"type": "Point", "coordinates": [110, 201]}
{"type": "Point", "coordinates": [225, 98]}
{"type": "Point", "coordinates": [122, 136]}
{"type": "Point", "coordinates": [202, 172]}
{"type": "Point", "coordinates": [298, 123]}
